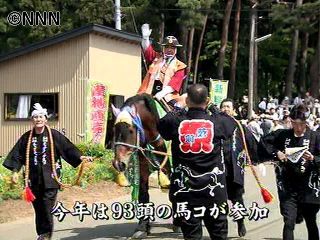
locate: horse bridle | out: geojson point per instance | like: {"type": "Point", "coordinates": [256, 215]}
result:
{"type": "Point", "coordinates": [137, 147]}
{"type": "Point", "coordinates": [143, 150]}
{"type": "Point", "coordinates": [158, 138]}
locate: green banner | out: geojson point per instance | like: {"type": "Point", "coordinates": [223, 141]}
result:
{"type": "Point", "coordinates": [218, 90]}
{"type": "Point", "coordinates": [133, 175]}
{"type": "Point", "coordinates": [97, 112]}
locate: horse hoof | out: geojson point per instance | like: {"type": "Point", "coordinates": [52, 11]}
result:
{"type": "Point", "coordinates": [176, 229]}
{"type": "Point", "coordinates": [46, 236]}
{"type": "Point", "coordinates": [242, 231]}
{"type": "Point", "coordinates": [139, 235]}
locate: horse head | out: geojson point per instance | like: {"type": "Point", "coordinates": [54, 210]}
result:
{"type": "Point", "coordinates": [125, 136]}
{"type": "Point", "coordinates": [135, 126]}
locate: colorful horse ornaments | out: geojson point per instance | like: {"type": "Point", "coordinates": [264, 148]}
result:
{"type": "Point", "coordinates": [139, 146]}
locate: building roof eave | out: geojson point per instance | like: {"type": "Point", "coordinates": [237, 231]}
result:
{"type": "Point", "coordinates": [107, 31]}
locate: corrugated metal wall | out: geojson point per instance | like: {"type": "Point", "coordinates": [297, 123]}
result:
{"type": "Point", "coordinates": [117, 63]}
{"type": "Point", "coordinates": [62, 68]}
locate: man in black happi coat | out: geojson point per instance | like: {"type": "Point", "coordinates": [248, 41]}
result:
{"type": "Point", "coordinates": [42, 172]}
{"type": "Point", "coordinates": [297, 152]}
{"type": "Point", "coordinates": [235, 158]}
{"type": "Point", "coordinates": [198, 186]}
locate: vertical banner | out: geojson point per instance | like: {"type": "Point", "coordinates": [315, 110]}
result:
{"type": "Point", "coordinates": [218, 90]}
{"type": "Point", "coordinates": [97, 112]}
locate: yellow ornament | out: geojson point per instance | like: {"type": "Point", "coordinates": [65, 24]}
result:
{"type": "Point", "coordinates": [121, 180]}
{"type": "Point", "coordinates": [164, 181]}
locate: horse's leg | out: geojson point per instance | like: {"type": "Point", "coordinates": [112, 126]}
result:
{"type": "Point", "coordinates": [167, 169]}
{"type": "Point", "coordinates": [144, 180]}
{"type": "Point", "coordinates": [143, 227]}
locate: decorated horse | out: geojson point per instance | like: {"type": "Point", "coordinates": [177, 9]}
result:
{"type": "Point", "coordinates": [135, 137]}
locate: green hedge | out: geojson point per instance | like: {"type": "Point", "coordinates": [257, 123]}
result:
{"type": "Point", "coordinates": [7, 189]}
{"type": "Point", "coordinates": [100, 170]}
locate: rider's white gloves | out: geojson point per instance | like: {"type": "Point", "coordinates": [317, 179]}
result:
{"type": "Point", "coordinates": [166, 90]}
{"type": "Point", "coordinates": [146, 32]}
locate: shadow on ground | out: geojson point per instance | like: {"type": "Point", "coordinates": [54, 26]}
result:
{"type": "Point", "coordinates": [113, 231]}
{"type": "Point", "coordinates": [123, 231]}
{"type": "Point", "coordinates": [120, 231]}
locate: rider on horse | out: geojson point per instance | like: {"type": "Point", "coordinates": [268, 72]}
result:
{"type": "Point", "coordinates": [166, 73]}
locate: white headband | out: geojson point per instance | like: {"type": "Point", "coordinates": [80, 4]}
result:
{"type": "Point", "coordinates": [39, 110]}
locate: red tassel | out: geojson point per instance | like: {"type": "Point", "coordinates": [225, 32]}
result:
{"type": "Point", "coordinates": [28, 195]}
{"type": "Point", "coordinates": [267, 196]}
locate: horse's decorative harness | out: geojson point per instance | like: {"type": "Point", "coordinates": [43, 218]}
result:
{"type": "Point", "coordinates": [136, 122]}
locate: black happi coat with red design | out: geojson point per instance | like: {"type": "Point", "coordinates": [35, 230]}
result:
{"type": "Point", "coordinates": [198, 168]}
{"type": "Point", "coordinates": [235, 156]}
{"type": "Point", "coordinates": [302, 178]}
{"type": "Point", "coordinates": [40, 166]}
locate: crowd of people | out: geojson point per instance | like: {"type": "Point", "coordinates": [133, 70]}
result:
{"type": "Point", "coordinates": [287, 103]}
{"type": "Point", "coordinates": [271, 116]}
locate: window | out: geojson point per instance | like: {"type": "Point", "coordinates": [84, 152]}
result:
{"type": "Point", "coordinates": [19, 106]}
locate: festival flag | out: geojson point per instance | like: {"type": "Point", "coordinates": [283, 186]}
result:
{"type": "Point", "coordinates": [218, 90]}
{"type": "Point", "coordinates": [97, 112]}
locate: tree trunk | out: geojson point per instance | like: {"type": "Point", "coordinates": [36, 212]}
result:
{"type": "Point", "coordinates": [303, 60]}
{"type": "Point", "coordinates": [234, 53]}
{"type": "Point", "coordinates": [161, 28]}
{"type": "Point", "coordinates": [292, 60]}
{"type": "Point", "coordinates": [184, 41]}
{"type": "Point", "coordinates": [224, 38]}
{"type": "Point", "coordinates": [190, 46]}
{"type": "Point", "coordinates": [196, 62]}
{"type": "Point", "coordinates": [315, 70]}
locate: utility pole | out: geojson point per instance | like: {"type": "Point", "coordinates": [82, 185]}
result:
{"type": "Point", "coordinates": [255, 67]}
{"type": "Point", "coordinates": [253, 17]}
{"type": "Point", "coordinates": [253, 57]}
{"type": "Point", "coordinates": [318, 93]}
{"type": "Point", "coordinates": [117, 15]}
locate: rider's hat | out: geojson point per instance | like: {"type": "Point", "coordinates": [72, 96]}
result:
{"type": "Point", "coordinates": [170, 41]}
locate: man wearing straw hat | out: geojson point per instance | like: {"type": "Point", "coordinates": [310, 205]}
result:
{"type": "Point", "coordinates": [39, 151]}
{"type": "Point", "coordinates": [166, 73]}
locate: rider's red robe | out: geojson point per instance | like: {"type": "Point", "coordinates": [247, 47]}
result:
{"type": "Point", "coordinates": [171, 74]}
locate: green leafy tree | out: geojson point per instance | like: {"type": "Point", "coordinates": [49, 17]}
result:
{"type": "Point", "coordinates": [73, 14]}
